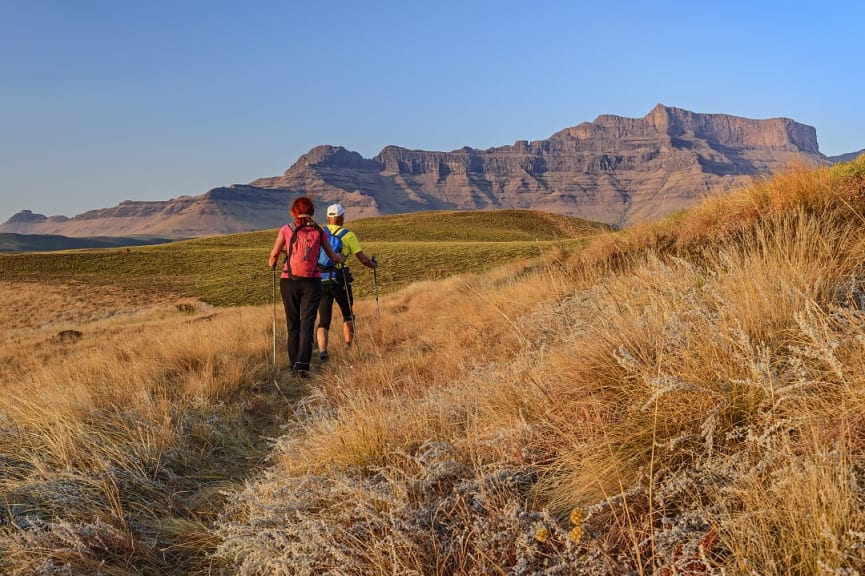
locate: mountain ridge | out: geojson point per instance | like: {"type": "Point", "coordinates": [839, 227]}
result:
{"type": "Point", "coordinates": [615, 170]}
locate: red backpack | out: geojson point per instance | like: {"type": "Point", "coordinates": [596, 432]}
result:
{"type": "Point", "coordinates": [302, 251]}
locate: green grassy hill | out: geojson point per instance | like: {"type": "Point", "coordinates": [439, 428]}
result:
{"type": "Point", "coordinates": [232, 270]}
{"type": "Point", "coordinates": [10, 242]}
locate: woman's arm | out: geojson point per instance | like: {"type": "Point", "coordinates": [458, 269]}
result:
{"type": "Point", "coordinates": [278, 245]}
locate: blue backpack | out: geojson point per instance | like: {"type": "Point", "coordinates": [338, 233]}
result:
{"type": "Point", "coordinates": [331, 271]}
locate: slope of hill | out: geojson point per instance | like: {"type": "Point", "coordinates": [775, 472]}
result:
{"type": "Point", "coordinates": [849, 157]}
{"type": "Point", "coordinates": [47, 242]}
{"type": "Point", "coordinates": [615, 170]}
{"type": "Point", "coordinates": [684, 397]}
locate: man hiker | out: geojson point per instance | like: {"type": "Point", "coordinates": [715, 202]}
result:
{"type": "Point", "coordinates": [336, 280]}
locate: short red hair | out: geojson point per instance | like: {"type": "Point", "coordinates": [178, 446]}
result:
{"type": "Point", "coordinates": [301, 206]}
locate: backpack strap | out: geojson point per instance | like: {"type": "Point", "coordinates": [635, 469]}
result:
{"type": "Point", "coordinates": [290, 247]}
{"type": "Point", "coordinates": [339, 234]}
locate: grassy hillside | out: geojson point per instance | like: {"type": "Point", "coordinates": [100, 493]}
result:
{"type": "Point", "coordinates": [232, 270]}
{"type": "Point", "coordinates": [684, 397]}
{"type": "Point", "coordinates": [48, 242]}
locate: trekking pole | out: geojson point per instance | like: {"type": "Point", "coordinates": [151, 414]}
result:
{"type": "Point", "coordinates": [273, 301]}
{"type": "Point", "coordinates": [350, 298]}
{"type": "Point", "coordinates": [375, 285]}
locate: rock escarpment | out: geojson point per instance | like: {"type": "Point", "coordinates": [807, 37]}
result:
{"type": "Point", "coordinates": [614, 170]}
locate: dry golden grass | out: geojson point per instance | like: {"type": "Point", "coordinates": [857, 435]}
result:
{"type": "Point", "coordinates": [681, 398]}
{"type": "Point", "coordinates": [120, 421]}
{"type": "Point", "coordinates": [690, 392]}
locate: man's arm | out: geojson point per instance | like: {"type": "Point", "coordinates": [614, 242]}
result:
{"type": "Point", "coordinates": [366, 261]}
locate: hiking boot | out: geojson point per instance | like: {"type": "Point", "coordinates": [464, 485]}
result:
{"type": "Point", "coordinates": [324, 356]}
{"type": "Point", "coordinates": [301, 373]}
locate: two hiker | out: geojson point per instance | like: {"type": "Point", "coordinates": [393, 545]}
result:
{"type": "Point", "coordinates": [300, 283]}
{"type": "Point", "coordinates": [336, 282]}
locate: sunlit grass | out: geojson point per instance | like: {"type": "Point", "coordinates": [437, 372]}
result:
{"type": "Point", "coordinates": [667, 386]}
{"type": "Point", "coordinates": [680, 398]}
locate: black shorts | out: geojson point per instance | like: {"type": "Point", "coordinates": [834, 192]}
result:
{"type": "Point", "coordinates": [330, 292]}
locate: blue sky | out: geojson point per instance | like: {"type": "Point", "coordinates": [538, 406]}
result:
{"type": "Point", "coordinates": [109, 100]}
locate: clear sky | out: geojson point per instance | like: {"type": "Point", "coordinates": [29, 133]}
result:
{"type": "Point", "coordinates": [109, 100]}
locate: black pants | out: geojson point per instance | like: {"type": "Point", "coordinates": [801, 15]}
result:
{"type": "Point", "coordinates": [300, 296]}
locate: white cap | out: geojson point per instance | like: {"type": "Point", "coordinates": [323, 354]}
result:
{"type": "Point", "coordinates": [335, 210]}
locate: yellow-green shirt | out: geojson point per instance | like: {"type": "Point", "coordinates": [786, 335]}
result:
{"type": "Point", "coordinates": [350, 243]}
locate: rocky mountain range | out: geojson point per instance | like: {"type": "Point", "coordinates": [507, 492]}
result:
{"type": "Point", "coordinates": [614, 170]}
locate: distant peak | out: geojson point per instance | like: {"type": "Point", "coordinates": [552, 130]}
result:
{"type": "Point", "coordinates": [659, 117]}
{"type": "Point", "coordinates": [330, 156]}
{"type": "Point", "coordinates": [26, 216]}
{"type": "Point", "coordinates": [663, 117]}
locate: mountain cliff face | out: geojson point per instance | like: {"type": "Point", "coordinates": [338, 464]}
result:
{"type": "Point", "coordinates": [614, 170]}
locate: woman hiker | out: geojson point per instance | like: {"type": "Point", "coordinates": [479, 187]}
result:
{"type": "Point", "coordinates": [300, 282]}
